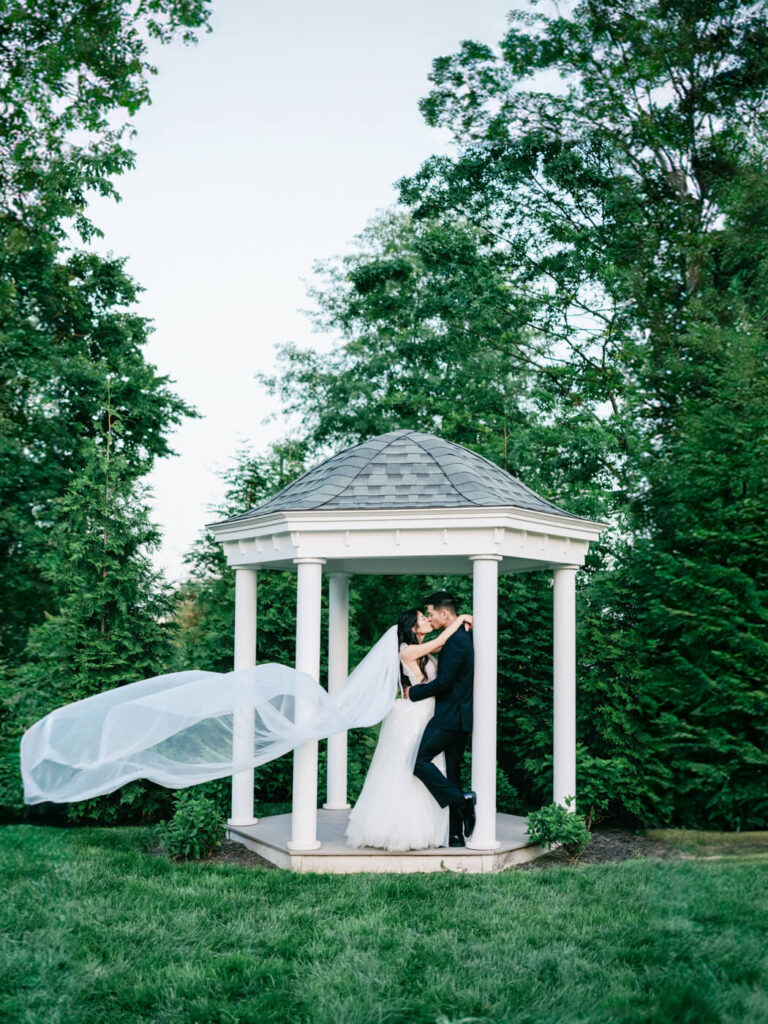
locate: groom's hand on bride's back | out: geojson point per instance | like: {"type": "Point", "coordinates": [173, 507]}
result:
{"type": "Point", "coordinates": [406, 691]}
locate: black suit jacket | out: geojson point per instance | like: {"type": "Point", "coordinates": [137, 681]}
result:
{"type": "Point", "coordinates": [452, 686]}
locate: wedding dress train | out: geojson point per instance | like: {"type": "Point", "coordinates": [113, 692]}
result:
{"type": "Point", "coordinates": [184, 728]}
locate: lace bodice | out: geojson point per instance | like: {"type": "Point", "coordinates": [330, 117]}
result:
{"type": "Point", "coordinates": [415, 676]}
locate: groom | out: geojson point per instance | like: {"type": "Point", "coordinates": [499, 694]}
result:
{"type": "Point", "coordinates": [448, 730]}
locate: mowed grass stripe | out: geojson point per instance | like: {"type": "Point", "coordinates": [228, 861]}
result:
{"type": "Point", "coordinates": [95, 929]}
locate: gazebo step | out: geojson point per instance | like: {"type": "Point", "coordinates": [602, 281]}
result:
{"type": "Point", "coordinates": [269, 838]}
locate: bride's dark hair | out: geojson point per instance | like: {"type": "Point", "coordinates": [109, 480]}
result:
{"type": "Point", "coordinates": [405, 635]}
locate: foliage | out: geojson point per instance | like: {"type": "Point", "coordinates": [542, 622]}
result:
{"type": "Point", "coordinates": [112, 624]}
{"type": "Point", "coordinates": [579, 294]}
{"type": "Point", "coordinates": [72, 364]}
{"type": "Point", "coordinates": [433, 340]}
{"type": "Point", "coordinates": [196, 828]}
{"type": "Point", "coordinates": [83, 415]}
{"type": "Point", "coordinates": [555, 824]}
{"type": "Point", "coordinates": [70, 71]}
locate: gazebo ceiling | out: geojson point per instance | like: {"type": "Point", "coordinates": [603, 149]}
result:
{"type": "Point", "coordinates": [406, 502]}
{"type": "Point", "coordinates": [403, 469]}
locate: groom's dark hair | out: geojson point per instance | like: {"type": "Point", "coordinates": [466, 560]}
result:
{"type": "Point", "coordinates": [442, 599]}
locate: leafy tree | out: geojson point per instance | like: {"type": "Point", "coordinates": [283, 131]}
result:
{"type": "Point", "coordinates": [69, 71]}
{"type": "Point", "coordinates": [83, 416]}
{"type": "Point", "coordinates": [434, 338]}
{"type": "Point", "coordinates": [66, 337]}
{"type": "Point", "coordinates": [585, 279]}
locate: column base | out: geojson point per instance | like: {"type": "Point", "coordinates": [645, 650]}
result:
{"type": "Point", "coordinates": [337, 807]}
{"type": "Point", "coordinates": [302, 847]}
{"type": "Point", "coordinates": [476, 844]}
{"type": "Point", "coordinates": [242, 822]}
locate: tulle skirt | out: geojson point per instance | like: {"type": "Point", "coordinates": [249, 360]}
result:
{"type": "Point", "coordinates": [395, 810]}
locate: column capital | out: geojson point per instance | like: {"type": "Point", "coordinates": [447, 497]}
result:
{"type": "Point", "coordinates": [558, 568]}
{"type": "Point", "coordinates": [309, 561]}
{"type": "Point", "coordinates": [485, 558]}
{"type": "Point", "coordinates": [337, 575]}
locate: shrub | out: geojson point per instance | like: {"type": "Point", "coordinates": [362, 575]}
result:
{"type": "Point", "coordinates": [554, 825]}
{"type": "Point", "coordinates": [196, 829]}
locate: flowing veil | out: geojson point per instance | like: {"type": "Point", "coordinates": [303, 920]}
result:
{"type": "Point", "coordinates": [183, 728]}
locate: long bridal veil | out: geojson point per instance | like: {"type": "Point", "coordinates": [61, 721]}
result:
{"type": "Point", "coordinates": [190, 727]}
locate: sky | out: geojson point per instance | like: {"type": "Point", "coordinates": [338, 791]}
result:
{"type": "Point", "coordinates": [267, 146]}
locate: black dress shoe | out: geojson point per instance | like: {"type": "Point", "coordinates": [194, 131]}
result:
{"type": "Point", "coordinates": [456, 841]}
{"type": "Point", "coordinates": [468, 812]}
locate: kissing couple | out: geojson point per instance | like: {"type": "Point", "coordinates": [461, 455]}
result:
{"type": "Point", "coordinates": [412, 797]}
{"type": "Point", "coordinates": [183, 728]}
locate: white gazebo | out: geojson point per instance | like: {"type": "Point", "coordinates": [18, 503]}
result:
{"type": "Point", "coordinates": [402, 503]}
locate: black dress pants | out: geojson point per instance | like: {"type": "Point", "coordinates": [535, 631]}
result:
{"type": "Point", "coordinates": [447, 791]}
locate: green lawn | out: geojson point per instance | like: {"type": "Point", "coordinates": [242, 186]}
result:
{"type": "Point", "coordinates": [96, 930]}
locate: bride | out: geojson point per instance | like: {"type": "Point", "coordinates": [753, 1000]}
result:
{"type": "Point", "coordinates": [184, 728]}
{"type": "Point", "coordinates": [395, 811]}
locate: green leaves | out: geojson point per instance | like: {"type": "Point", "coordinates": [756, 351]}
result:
{"type": "Point", "coordinates": [196, 828]}
{"type": "Point", "coordinates": [83, 416]}
{"type": "Point", "coordinates": [555, 825]}
{"type": "Point", "coordinates": [579, 294]}
{"type": "Point", "coordinates": [67, 67]}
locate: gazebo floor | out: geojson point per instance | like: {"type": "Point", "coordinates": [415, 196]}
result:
{"type": "Point", "coordinates": [269, 838]}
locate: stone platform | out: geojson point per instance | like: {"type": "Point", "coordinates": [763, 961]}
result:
{"type": "Point", "coordinates": [269, 838]}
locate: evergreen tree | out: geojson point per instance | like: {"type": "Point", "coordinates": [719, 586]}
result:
{"type": "Point", "coordinates": [112, 624]}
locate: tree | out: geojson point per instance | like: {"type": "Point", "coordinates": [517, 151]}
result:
{"type": "Point", "coordinates": [69, 70]}
{"type": "Point", "coordinates": [113, 621]}
{"type": "Point", "coordinates": [66, 337]}
{"type": "Point", "coordinates": [599, 284]}
{"type": "Point", "coordinates": [434, 338]}
{"type": "Point", "coordinates": [83, 415]}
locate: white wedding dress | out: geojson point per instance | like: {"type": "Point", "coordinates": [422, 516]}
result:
{"type": "Point", "coordinates": [395, 811]}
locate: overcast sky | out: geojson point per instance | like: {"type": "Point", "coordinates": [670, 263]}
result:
{"type": "Point", "coordinates": [267, 146]}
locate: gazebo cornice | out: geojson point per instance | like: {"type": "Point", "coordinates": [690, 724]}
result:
{"type": "Point", "coordinates": [410, 518]}
{"type": "Point", "coordinates": [418, 541]}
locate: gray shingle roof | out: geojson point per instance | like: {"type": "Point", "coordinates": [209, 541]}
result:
{"type": "Point", "coordinates": [403, 469]}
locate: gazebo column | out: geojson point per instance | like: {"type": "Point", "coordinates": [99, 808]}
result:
{"type": "Point", "coordinates": [243, 718]}
{"type": "Point", "coordinates": [309, 584]}
{"type": "Point", "coordinates": [338, 670]}
{"type": "Point", "coordinates": [564, 697]}
{"type": "Point", "coordinates": [485, 603]}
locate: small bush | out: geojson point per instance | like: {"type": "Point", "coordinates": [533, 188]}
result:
{"type": "Point", "coordinates": [556, 825]}
{"type": "Point", "coordinates": [196, 829]}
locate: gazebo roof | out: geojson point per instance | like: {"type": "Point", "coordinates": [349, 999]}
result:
{"type": "Point", "coordinates": [403, 469]}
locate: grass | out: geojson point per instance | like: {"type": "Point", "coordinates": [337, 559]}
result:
{"type": "Point", "coordinates": [95, 930]}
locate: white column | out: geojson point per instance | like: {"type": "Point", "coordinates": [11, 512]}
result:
{"type": "Point", "coordinates": [309, 586]}
{"type": "Point", "coordinates": [485, 633]}
{"type": "Point", "coordinates": [564, 697]}
{"type": "Point", "coordinates": [243, 720]}
{"type": "Point", "coordinates": [338, 670]}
